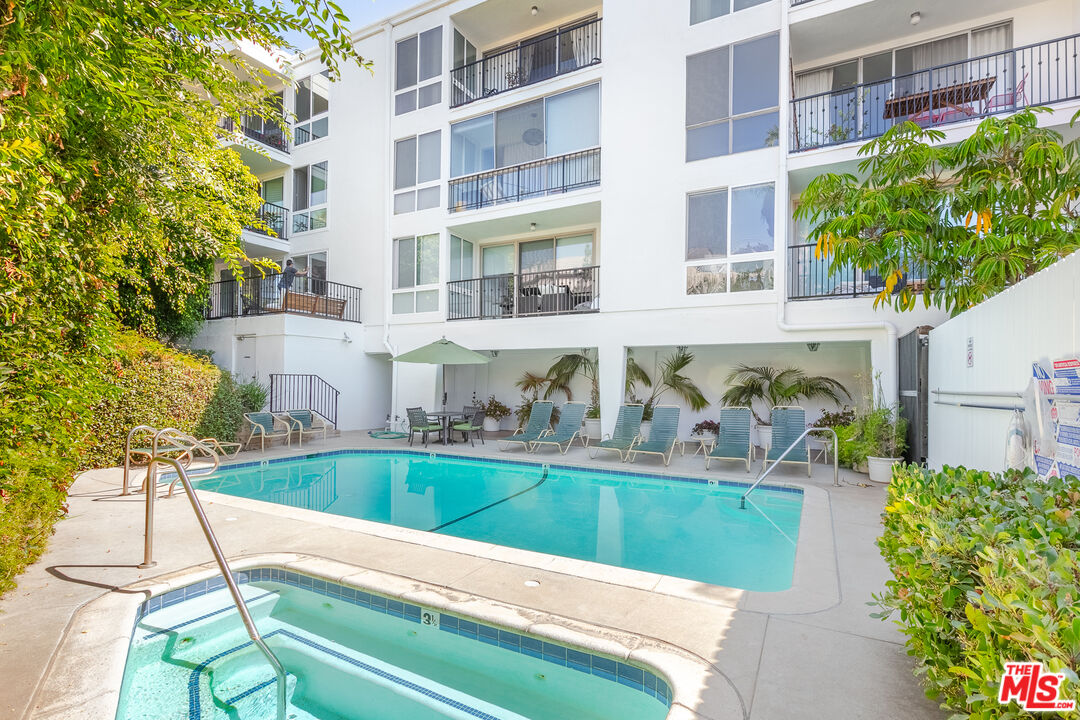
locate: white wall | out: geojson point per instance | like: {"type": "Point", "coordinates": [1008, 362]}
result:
{"type": "Point", "coordinates": [1038, 318]}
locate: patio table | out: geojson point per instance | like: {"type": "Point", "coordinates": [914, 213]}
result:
{"type": "Point", "coordinates": [445, 416]}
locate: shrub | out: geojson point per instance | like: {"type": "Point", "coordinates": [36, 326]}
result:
{"type": "Point", "coordinates": [495, 409]}
{"type": "Point", "coordinates": [706, 426]}
{"type": "Point", "coordinates": [985, 570]}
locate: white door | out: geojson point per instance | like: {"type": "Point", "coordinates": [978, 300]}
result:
{"type": "Point", "coordinates": [246, 367]}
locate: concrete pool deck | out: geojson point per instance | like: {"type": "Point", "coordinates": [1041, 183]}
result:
{"type": "Point", "coordinates": [814, 652]}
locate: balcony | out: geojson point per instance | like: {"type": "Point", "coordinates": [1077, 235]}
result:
{"type": "Point", "coordinates": [551, 292]}
{"type": "Point", "coordinates": [812, 278]}
{"type": "Point", "coordinates": [268, 134]}
{"type": "Point", "coordinates": [275, 218]}
{"type": "Point", "coordinates": [309, 296]}
{"type": "Point", "coordinates": [556, 53]}
{"type": "Point", "coordinates": [1041, 74]}
{"type": "Point", "coordinates": [559, 174]}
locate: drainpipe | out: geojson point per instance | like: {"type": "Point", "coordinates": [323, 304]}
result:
{"type": "Point", "coordinates": [388, 254]}
{"type": "Point", "coordinates": [783, 192]}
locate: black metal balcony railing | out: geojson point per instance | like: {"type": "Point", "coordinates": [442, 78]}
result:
{"type": "Point", "coordinates": [275, 218]}
{"type": "Point", "coordinates": [556, 53]}
{"type": "Point", "coordinates": [810, 277]}
{"type": "Point", "coordinates": [562, 173]}
{"type": "Point", "coordinates": [1040, 74]}
{"type": "Point", "coordinates": [266, 296]}
{"type": "Point", "coordinates": [301, 391]}
{"type": "Point", "coordinates": [549, 292]}
{"type": "Point", "coordinates": [270, 136]}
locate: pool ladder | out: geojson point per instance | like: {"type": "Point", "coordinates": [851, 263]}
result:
{"type": "Point", "coordinates": [776, 462]}
{"type": "Point", "coordinates": [180, 440]}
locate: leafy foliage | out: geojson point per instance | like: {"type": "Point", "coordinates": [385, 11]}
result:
{"type": "Point", "coordinates": [706, 426]}
{"type": "Point", "coordinates": [971, 218]}
{"type": "Point", "coordinates": [749, 384]}
{"type": "Point", "coordinates": [115, 194]}
{"type": "Point", "coordinates": [568, 366]}
{"type": "Point", "coordinates": [495, 409]}
{"type": "Point", "coordinates": [986, 569]}
{"type": "Point", "coordinates": [669, 377]}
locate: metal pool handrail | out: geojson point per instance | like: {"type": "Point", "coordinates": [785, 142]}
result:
{"type": "Point", "coordinates": [223, 565]}
{"type": "Point", "coordinates": [776, 462]}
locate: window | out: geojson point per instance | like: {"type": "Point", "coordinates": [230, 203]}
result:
{"type": "Point", "coordinates": [312, 108]}
{"type": "Point", "coordinates": [310, 197]}
{"type": "Point", "coordinates": [273, 214]}
{"type": "Point", "coordinates": [732, 98]}
{"type": "Point", "coordinates": [419, 59]}
{"type": "Point", "coordinates": [315, 280]}
{"type": "Point", "coordinates": [416, 270]}
{"type": "Point", "coordinates": [702, 10]}
{"type": "Point", "coordinates": [737, 227]}
{"type": "Point", "coordinates": [416, 164]}
{"type": "Point", "coordinates": [461, 258]}
{"type": "Point", "coordinates": [544, 128]}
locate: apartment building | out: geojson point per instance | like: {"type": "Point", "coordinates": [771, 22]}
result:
{"type": "Point", "coordinates": [531, 178]}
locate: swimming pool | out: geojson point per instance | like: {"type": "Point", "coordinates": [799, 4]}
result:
{"type": "Point", "coordinates": [682, 527]}
{"type": "Point", "coordinates": [353, 654]}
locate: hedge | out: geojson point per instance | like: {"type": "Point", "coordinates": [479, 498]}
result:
{"type": "Point", "coordinates": [143, 382]}
{"type": "Point", "coordinates": [985, 571]}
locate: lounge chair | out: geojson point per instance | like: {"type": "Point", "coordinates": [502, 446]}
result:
{"type": "Point", "coordinates": [662, 437]}
{"type": "Point", "coordinates": [566, 431]}
{"type": "Point", "coordinates": [627, 427]}
{"type": "Point", "coordinates": [472, 427]}
{"type": "Point", "coordinates": [539, 425]}
{"type": "Point", "coordinates": [788, 423]}
{"type": "Point", "coordinates": [305, 422]}
{"type": "Point", "coordinates": [419, 422]}
{"type": "Point", "coordinates": [733, 439]}
{"type": "Point", "coordinates": [267, 426]}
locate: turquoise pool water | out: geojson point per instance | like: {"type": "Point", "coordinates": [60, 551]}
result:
{"type": "Point", "coordinates": [351, 655]}
{"type": "Point", "coordinates": [681, 528]}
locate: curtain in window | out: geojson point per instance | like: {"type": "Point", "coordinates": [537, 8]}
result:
{"type": "Point", "coordinates": [1000, 66]}
{"type": "Point", "coordinates": [812, 116]}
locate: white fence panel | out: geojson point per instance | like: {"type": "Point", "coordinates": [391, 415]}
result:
{"type": "Point", "coordinates": [990, 348]}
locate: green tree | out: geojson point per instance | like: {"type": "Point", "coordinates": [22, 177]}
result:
{"type": "Point", "coordinates": [749, 384]}
{"type": "Point", "coordinates": [115, 192]}
{"type": "Point", "coordinates": [669, 376]}
{"type": "Point", "coordinates": [972, 218]}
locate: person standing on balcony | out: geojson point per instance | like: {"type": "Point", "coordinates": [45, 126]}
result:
{"type": "Point", "coordinates": [288, 275]}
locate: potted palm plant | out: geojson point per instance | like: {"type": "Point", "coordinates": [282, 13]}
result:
{"type": "Point", "coordinates": [878, 437]}
{"type": "Point", "coordinates": [494, 412]}
{"type": "Point", "coordinates": [752, 386]}
{"type": "Point", "coordinates": [561, 374]}
{"type": "Point", "coordinates": [669, 377]}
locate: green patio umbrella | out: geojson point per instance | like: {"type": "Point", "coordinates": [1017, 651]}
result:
{"type": "Point", "coordinates": [443, 352]}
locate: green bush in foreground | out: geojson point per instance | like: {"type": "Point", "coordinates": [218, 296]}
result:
{"type": "Point", "coordinates": [985, 572]}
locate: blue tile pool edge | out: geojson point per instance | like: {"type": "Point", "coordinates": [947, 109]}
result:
{"type": "Point", "coordinates": [606, 668]}
{"type": "Point", "coordinates": [791, 489]}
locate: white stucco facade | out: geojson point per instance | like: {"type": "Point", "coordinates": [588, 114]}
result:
{"type": "Point", "coordinates": [634, 207]}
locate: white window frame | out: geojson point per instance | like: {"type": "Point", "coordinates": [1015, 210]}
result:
{"type": "Point", "coordinates": [416, 287]}
{"type": "Point", "coordinates": [732, 117]}
{"type": "Point", "coordinates": [417, 187]}
{"type": "Point", "coordinates": [302, 128]}
{"type": "Point", "coordinates": [417, 88]}
{"type": "Point", "coordinates": [306, 212]}
{"type": "Point", "coordinates": [729, 257]}
{"type": "Point", "coordinates": [731, 10]}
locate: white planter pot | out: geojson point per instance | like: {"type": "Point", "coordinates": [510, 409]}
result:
{"type": "Point", "coordinates": [646, 427]}
{"type": "Point", "coordinates": [881, 468]}
{"type": "Point", "coordinates": [491, 424]}
{"type": "Point", "coordinates": [592, 428]}
{"type": "Point", "coordinates": [762, 435]}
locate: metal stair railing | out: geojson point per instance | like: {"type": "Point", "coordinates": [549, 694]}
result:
{"type": "Point", "coordinates": [211, 539]}
{"type": "Point", "coordinates": [776, 462]}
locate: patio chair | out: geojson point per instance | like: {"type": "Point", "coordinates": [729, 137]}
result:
{"type": "Point", "coordinates": [539, 425]}
{"type": "Point", "coordinates": [733, 439]}
{"type": "Point", "coordinates": [472, 427]}
{"type": "Point", "coordinates": [627, 429]}
{"type": "Point", "coordinates": [662, 437]}
{"type": "Point", "coordinates": [1007, 100]}
{"type": "Point", "coordinates": [788, 423]}
{"type": "Point", "coordinates": [305, 422]}
{"type": "Point", "coordinates": [569, 427]}
{"type": "Point", "coordinates": [267, 426]}
{"type": "Point", "coordinates": [419, 422]}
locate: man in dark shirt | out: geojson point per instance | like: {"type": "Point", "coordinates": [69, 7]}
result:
{"type": "Point", "coordinates": [287, 276]}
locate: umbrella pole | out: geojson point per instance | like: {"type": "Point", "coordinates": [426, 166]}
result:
{"type": "Point", "coordinates": [444, 387]}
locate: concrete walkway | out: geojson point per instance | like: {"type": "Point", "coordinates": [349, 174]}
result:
{"type": "Point", "coordinates": [829, 661]}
